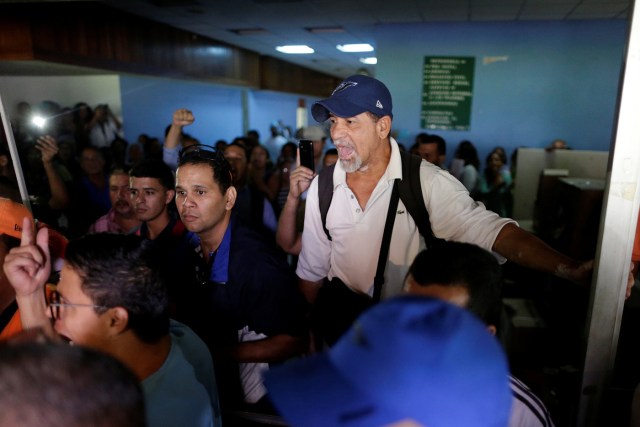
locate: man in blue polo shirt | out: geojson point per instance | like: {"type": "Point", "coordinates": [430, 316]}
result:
{"type": "Point", "coordinates": [244, 300]}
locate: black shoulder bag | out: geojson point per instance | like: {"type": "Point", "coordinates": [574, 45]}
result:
{"type": "Point", "coordinates": [336, 305]}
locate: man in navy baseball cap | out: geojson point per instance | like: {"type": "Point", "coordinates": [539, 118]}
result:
{"type": "Point", "coordinates": [418, 360]}
{"type": "Point", "coordinates": [347, 207]}
{"type": "Point", "coordinates": [355, 95]}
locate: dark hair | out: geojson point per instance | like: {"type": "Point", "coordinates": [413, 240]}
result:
{"type": "Point", "coordinates": [490, 174]}
{"type": "Point", "coordinates": [500, 152]}
{"type": "Point", "coordinates": [289, 144]}
{"type": "Point", "coordinates": [239, 142]}
{"type": "Point", "coordinates": [463, 264]}
{"type": "Point", "coordinates": [260, 146]}
{"type": "Point", "coordinates": [425, 138]}
{"type": "Point", "coordinates": [57, 385]}
{"type": "Point", "coordinates": [154, 168]}
{"type": "Point", "coordinates": [117, 170]}
{"type": "Point", "coordinates": [123, 271]}
{"type": "Point", "coordinates": [94, 149]}
{"type": "Point", "coordinates": [374, 117]}
{"type": "Point", "coordinates": [207, 155]}
{"type": "Point", "coordinates": [467, 152]}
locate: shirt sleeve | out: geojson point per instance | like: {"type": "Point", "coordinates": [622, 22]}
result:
{"type": "Point", "coordinates": [170, 157]}
{"type": "Point", "coordinates": [454, 215]}
{"type": "Point", "coordinates": [269, 216]}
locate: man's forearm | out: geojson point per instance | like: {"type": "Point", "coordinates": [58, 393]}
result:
{"type": "Point", "coordinates": [173, 136]}
{"type": "Point", "coordinates": [59, 195]}
{"type": "Point", "coordinates": [527, 250]}
{"type": "Point", "coordinates": [33, 313]}
{"type": "Point", "coordinates": [309, 289]}
{"type": "Point", "coordinates": [286, 234]}
{"type": "Point", "coordinates": [272, 349]}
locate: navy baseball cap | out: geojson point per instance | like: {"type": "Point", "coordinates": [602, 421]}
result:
{"type": "Point", "coordinates": [355, 95]}
{"type": "Point", "coordinates": [409, 357]}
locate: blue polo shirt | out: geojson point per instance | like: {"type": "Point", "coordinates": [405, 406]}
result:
{"type": "Point", "coordinates": [247, 283]}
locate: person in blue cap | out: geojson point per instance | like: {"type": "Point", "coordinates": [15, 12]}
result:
{"type": "Point", "coordinates": [470, 277]}
{"type": "Point", "coordinates": [343, 259]}
{"type": "Point", "coordinates": [410, 361]}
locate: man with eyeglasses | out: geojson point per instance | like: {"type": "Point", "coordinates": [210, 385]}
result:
{"type": "Point", "coordinates": [111, 298]}
{"type": "Point", "coordinates": [242, 300]}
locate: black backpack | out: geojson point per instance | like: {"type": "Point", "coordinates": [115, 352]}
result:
{"type": "Point", "coordinates": [410, 190]}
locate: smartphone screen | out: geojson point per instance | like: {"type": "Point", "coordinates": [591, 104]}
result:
{"type": "Point", "coordinates": [306, 154]}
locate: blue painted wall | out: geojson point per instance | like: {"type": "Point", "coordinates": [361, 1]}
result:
{"type": "Point", "coordinates": [148, 105]}
{"type": "Point", "coordinates": [560, 80]}
{"type": "Point", "coordinates": [266, 107]}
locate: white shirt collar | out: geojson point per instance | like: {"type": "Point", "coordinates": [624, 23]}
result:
{"type": "Point", "coordinates": [393, 171]}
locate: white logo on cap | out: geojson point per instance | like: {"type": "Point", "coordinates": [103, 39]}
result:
{"type": "Point", "coordinates": [342, 86]}
{"type": "Point", "coordinates": [379, 104]}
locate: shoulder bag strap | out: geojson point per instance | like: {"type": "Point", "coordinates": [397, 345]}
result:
{"type": "Point", "coordinates": [378, 281]}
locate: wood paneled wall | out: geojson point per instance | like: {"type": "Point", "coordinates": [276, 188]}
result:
{"type": "Point", "coordinates": [93, 35]}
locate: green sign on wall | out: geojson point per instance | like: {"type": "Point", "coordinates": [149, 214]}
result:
{"type": "Point", "coordinates": [447, 92]}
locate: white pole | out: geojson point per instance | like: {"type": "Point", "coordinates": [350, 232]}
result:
{"type": "Point", "coordinates": [617, 232]}
{"type": "Point", "coordinates": [13, 149]}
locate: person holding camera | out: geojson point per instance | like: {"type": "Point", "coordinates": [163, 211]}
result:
{"type": "Point", "coordinates": [104, 127]}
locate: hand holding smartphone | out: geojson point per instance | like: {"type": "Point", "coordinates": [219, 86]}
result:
{"type": "Point", "coordinates": [306, 154]}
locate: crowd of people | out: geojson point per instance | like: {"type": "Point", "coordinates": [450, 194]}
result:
{"type": "Point", "coordinates": [205, 269]}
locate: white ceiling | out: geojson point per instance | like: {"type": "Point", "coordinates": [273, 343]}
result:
{"type": "Point", "coordinates": [286, 21]}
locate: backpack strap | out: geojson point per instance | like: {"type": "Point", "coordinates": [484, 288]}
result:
{"type": "Point", "coordinates": [411, 195]}
{"type": "Point", "coordinates": [325, 194]}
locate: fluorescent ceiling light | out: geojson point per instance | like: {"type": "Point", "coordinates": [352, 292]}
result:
{"type": "Point", "coordinates": [249, 31]}
{"type": "Point", "coordinates": [325, 30]}
{"type": "Point", "coordinates": [372, 60]}
{"type": "Point", "coordinates": [360, 47]}
{"type": "Point", "coordinates": [295, 49]}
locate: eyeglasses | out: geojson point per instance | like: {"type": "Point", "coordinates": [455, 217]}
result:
{"type": "Point", "coordinates": [199, 150]}
{"type": "Point", "coordinates": [56, 301]}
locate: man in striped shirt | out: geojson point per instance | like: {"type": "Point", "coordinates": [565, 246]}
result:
{"type": "Point", "coordinates": [469, 276]}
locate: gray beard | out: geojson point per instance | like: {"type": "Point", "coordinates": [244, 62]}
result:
{"type": "Point", "coordinates": [352, 165]}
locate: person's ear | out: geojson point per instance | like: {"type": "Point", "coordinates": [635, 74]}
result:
{"type": "Point", "coordinates": [230, 197]}
{"type": "Point", "coordinates": [118, 319]}
{"type": "Point", "coordinates": [383, 127]}
{"type": "Point", "coordinates": [492, 330]}
{"type": "Point", "coordinates": [168, 196]}
{"type": "Point", "coordinates": [4, 161]}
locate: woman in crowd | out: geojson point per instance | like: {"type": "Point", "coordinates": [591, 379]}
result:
{"type": "Point", "coordinates": [495, 184]}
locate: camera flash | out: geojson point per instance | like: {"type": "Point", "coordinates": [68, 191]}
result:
{"type": "Point", "coordinates": [39, 121]}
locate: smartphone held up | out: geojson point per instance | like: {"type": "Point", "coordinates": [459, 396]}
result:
{"type": "Point", "coordinates": [306, 154]}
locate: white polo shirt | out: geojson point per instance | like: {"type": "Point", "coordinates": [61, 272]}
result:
{"type": "Point", "coordinates": [352, 254]}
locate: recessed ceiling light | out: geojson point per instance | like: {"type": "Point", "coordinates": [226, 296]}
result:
{"type": "Point", "coordinates": [295, 49]}
{"type": "Point", "coordinates": [372, 60]}
{"type": "Point", "coordinates": [249, 31]}
{"type": "Point", "coordinates": [358, 47]}
{"type": "Point", "coordinates": [325, 30]}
